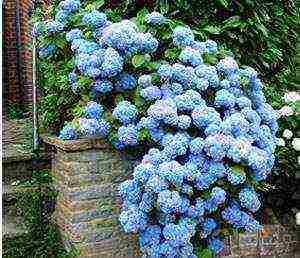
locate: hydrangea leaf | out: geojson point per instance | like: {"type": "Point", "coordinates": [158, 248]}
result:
{"type": "Point", "coordinates": [206, 253]}
{"type": "Point", "coordinates": [138, 60]}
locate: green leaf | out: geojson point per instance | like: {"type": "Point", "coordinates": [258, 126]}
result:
{"type": "Point", "coordinates": [144, 135]}
{"type": "Point", "coordinates": [172, 53]}
{"type": "Point", "coordinates": [99, 3]}
{"type": "Point", "coordinates": [138, 60]}
{"type": "Point", "coordinates": [212, 29]}
{"type": "Point", "coordinates": [232, 22]}
{"type": "Point", "coordinates": [206, 253]}
{"type": "Point", "coordinates": [223, 3]}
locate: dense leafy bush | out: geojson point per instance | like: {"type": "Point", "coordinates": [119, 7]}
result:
{"type": "Point", "coordinates": [149, 81]}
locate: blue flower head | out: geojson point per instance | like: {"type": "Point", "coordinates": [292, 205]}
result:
{"type": "Point", "coordinates": [165, 71]}
{"type": "Point", "coordinates": [249, 199]}
{"type": "Point", "coordinates": [191, 57]}
{"type": "Point", "coordinates": [93, 110]}
{"type": "Point", "coordinates": [183, 36]}
{"type": "Point", "coordinates": [128, 135]}
{"type": "Point", "coordinates": [62, 16]}
{"type": "Point", "coordinates": [94, 19]}
{"type": "Point", "coordinates": [69, 5]}
{"type": "Point", "coordinates": [216, 245]}
{"type": "Point", "coordinates": [145, 81]}
{"type": "Point", "coordinates": [53, 27]}
{"type": "Point", "coordinates": [151, 93]}
{"type": "Point", "coordinates": [168, 201]}
{"type": "Point", "coordinates": [155, 18]}
{"type": "Point", "coordinates": [89, 126]}
{"type": "Point", "coordinates": [125, 112]}
{"type": "Point", "coordinates": [211, 46]}
{"type": "Point", "coordinates": [126, 82]}
{"type": "Point", "coordinates": [68, 133]}
{"type": "Point", "coordinates": [47, 51]}
{"type": "Point", "coordinates": [133, 220]}
{"type": "Point", "coordinates": [102, 86]}
{"type": "Point", "coordinates": [74, 34]}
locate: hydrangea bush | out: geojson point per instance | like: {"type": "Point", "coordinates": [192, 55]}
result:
{"type": "Point", "coordinates": [207, 133]}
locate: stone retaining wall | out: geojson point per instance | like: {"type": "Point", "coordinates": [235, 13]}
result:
{"type": "Point", "coordinates": [86, 174]}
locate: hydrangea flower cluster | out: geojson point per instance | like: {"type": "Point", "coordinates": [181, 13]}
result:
{"type": "Point", "coordinates": [210, 123]}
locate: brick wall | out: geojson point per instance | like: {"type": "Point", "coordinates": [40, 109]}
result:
{"type": "Point", "coordinates": [17, 88]}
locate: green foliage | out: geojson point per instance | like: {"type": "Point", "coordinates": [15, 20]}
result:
{"type": "Point", "coordinates": [16, 111]}
{"type": "Point", "coordinates": [261, 34]}
{"type": "Point", "coordinates": [206, 253]}
{"type": "Point", "coordinates": [36, 207]}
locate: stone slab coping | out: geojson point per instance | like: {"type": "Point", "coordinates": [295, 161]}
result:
{"type": "Point", "coordinates": [76, 145]}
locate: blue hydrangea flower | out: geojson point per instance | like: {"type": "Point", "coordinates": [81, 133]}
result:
{"type": "Point", "coordinates": [128, 135]}
{"type": "Point", "coordinates": [53, 27]}
{"type": "Point", "coordinates": [130, 191]}
{"type": "Point", "coordinates": [68, 133]}
{"type": "Point", "coordinates": [168, 201]}
{"type": "Point", "coordinates": [249, 199]}
{"type": "Point", "coordinates": [126, 82]}
{"type": "Point", "coordinates": [112, 64]}
{"type": "Point", "coordinates": [208, 73]}
{"type": "Point", "coordinates": [151, 93]}
{"type": "Point", "coordinates": [133, 220]}
{"type": "Point", "coordinates": [144, 171]}
{"type": "Point", "coordinates": [178, 235]}
{"type": "Point", "coordinates": [102, 86]}
{"type": "Point", "coordinates": [94, 19]}
{"type": "Point", "coordinates": [93, 110]}
{"type": "Point", "coordinates": [227, 66]}
{"type": "Point", "coordinates": [183, 36]}
{"type": "Point", "coordinates": [240, 219]}
{"type": "Point", "coordinates": [211, 46]}
{"type": "Point", "coordinates": [203, 116]}
{"type": "Point", "coordinates": [62, 16]}
{"type": "Point", "coordinates": [224, 99]}
{"type": "Point", "coordinates": [216, 245]}
{"type": "Point", "coordinates": [89, 126]}
{"type": "Point", "coordinates": [69, 5]}
{"type": "Point", "coordinates": [47, 51]}
{"type": "Point", "coordinates": [149, 123]}
{"type": "Point", "coordinates": [155, 18]}
{"type": "Point", "coordinates": [104, 127]}
{"type": "Point", "coordinates": [191, 57]}
{"type": "Point", "coordinates": [204, 180]}
{"type": "Point", "coordinates": [147, 43]}
{"type": "Point", "coordinates": [125, 112]}
{"type": "Point", "coordinates": [165, 71]}
{"type": "Point", "coordinates": [208, 225]}
{"type": "Point", "coordinates": [156, 184]}
{"type": "Point", "coordinates": [235, 176]}
{"type": "Point", "coordinates": [74, 34]}
{"type": "Point", "coordinates": [145, 81]}
{"type": "Point", "coordinates": [218, 196]}
{"type": "Point", "coordinates": [184, 122]}
{"type": "Point", "coordinates": [151, 236]}
{"type": "Point", "coordinates": [197, 146]}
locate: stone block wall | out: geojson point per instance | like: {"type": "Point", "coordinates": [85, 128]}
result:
{"type": "Point", "coordinates": [86, 175]}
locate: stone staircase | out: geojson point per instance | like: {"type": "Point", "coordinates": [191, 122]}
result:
{"type": "Point", "coordinates": [18, 164]}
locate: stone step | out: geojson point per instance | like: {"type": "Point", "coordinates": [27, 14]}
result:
{"type": "Point", "coordinates": [12, 226]}
{"type": "Point", "coordinates": [11, 192]}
